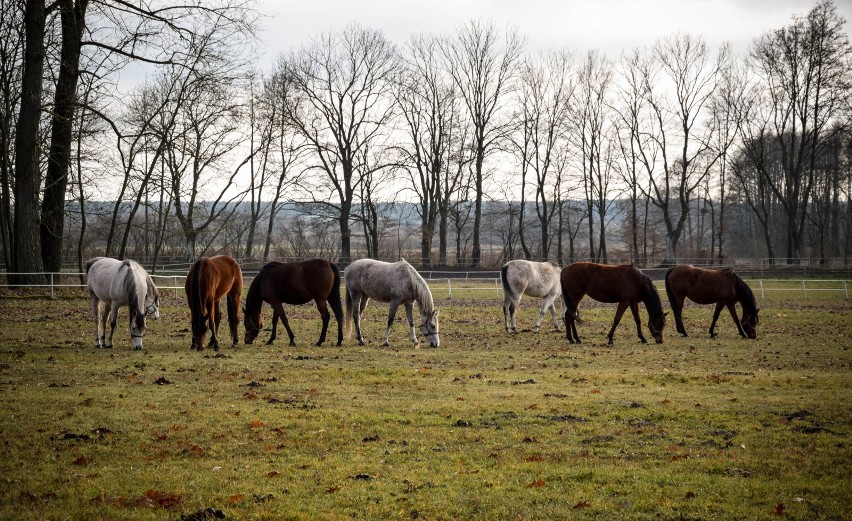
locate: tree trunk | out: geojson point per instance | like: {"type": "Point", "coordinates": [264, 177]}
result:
{"type": "Point", "coordinates": [52, 226]}
{"type": "Point", "coordinates": [26, 254]}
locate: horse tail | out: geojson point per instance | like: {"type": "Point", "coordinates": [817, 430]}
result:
{"type": "Point", "coordinates": [504, 278]}
{"type": "Point", "coordinates": [349, 318]}
{"type": "Point", "coordinates": [566, 306]}
{"type": "Point", "coordinates": [669, 290]}
{"type": "Point", "coordinates": [334, 295]}
{"type": "Point", "coordinates": [196, 303]}
{"type": "Point", "coordinates": [91, 262]}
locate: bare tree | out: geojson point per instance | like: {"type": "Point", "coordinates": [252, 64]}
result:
{"type": "Point", "coordinates": [427, 105]}
{"type": "Point", "coordinates": [482, 68]}
{"type": "Point", "coordinates": [544, 95]}
{"type": "Point", "coordinates": [11, 58]}
{"type": "Point", "coordinates": [804, 72]}
{"type": "Point", "coordinates": [343, 80]}
{"type": "Point", "coordinates": [593, 141]}
{"type": "Point", "coordinates": [677, 94]}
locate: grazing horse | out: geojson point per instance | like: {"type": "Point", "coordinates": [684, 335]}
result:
{"type": "Point", "coordinates": [536, 279]}
{"type": "Point", "coordinates": [396, 283]}
{"type": "Point", "coordinates": [117, 283]}
{"type": "Point", "coordinates": [296, 283]}
{"type": "Point", "coordinates": [623, 284]}
{"type": "Point", "coordinates": [208, 280]}
{"type": "Point", "coordinates": [722, 287]}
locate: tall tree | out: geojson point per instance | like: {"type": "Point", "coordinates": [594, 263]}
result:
{"type": "Point", "coordinates": [804, 72]}
{"type": "Point", "coordinates": [26, 252]}
{"type": "Point", "coordinates": [343, 81]}
{"type": "Point", "coordinates": [677, 94]}
{"type": "Point", "coordinates": [11, 59]}
{"type": "Point", "coordinates": [483, 68]}
{"type": "Point", "coordinates": [426, 99]}
{"type": "Point", "coordinates": [544, 95]}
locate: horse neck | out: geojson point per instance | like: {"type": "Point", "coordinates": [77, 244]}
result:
{"type": "Point", "coordinates": [651, 299]}
{"type": "Point", "coordinates": [253, 299]}
{"type": "Point", "coordinates": [745, 296]}
{"type": "Point", "coordinates": [422, 293]}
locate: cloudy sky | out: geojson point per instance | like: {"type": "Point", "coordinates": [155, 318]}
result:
{"type": "Point", "coordinates": [579, 25]}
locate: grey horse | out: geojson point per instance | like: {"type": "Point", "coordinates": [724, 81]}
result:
{"type": "Point", "coordinates": [536, 279]}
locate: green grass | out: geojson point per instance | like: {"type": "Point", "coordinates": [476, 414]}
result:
{"type": "Point", "coordinates": [488, 426]}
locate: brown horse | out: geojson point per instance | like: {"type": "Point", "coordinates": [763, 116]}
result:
{"type": "Point", "coordinates": [208, 280]}
{"type": "Point", "coordinates": [623, 284]}
{"type": "Point", "coordinates": [722, 287]}
{"type": "Point", "coordinates": [296, 283]}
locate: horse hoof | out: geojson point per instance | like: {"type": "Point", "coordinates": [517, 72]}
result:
{"type": "Point", "coordinates": [535, 330]}
{"type": "Point", "coordinates": [361, 343]}
{"type": "Point", "coordinates": [684, 335]}
{"type": "Point", "coordinates": [137, 348]}
{"type": "Point", "coordinates": [318, 344]}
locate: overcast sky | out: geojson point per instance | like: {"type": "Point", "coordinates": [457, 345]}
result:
{"type": "Point", "coordinates": [579, 25]}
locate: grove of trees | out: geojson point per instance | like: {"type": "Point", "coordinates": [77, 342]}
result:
{"type": "Point", "coordinates": [463, 149]}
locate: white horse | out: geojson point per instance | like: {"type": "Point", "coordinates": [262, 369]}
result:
{"type": "Point", "coordinates": [117, 283]}
{"type": "Point", "coordinates": [396, 283]}
{"type": "Point", "coordinates": [536, 279]}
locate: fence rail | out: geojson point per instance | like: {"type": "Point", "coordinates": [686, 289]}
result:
{"type": "Point", "coordinates": [449, 283]}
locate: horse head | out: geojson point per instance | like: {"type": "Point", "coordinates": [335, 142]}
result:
{"type": "Point", "coordinates": [152, 304]}
{"type": "Point", "coordinates": [656, 324]}
{"type": "Point", "coordinates": [137, 328]}
{"type": "Point", "coordinates": [252, 324]}
{"type": "Point", "coordinates": [749, 324]}
{"type": "Point", "coordinates": [429, 327]}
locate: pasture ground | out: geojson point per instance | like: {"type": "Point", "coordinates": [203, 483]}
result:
{"type": "Point", "coordinates": [488, 426]}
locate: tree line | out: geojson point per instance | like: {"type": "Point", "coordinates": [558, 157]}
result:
{"type": "Point", "coordinates": [665, 151]}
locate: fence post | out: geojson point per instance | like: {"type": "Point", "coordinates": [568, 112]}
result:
{"type": "Point", "coordinates": [762, 294]}
{"type": "Point", "coordinates": [846, 289]}
{"type": "Point", "coordinates": [804, 288]}
{"type": "Point", "coordinates": [51, 286]}
{"type": "Point", "coordinates": [450, 289]}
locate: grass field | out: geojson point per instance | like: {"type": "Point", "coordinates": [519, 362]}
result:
{"type": "Point", "coordinates": [488, 426]}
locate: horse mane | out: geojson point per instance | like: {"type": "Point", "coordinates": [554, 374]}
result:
{"type": "Point", "coordinates": [650, 296]}
{"type": "Point", "coordinates": [744, 293]}
{"type": "Point", "coordinates": [133, 297]}
{"type": "Point", "coordinates": [421, 289]}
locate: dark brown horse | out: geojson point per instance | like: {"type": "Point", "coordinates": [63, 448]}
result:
{"type": "Point", "coordinates": [296, 283]}
{"type": "Point", "coordinates": [722, 287]}
{"type": "Point", "coordinates": [623, 284]}
{"type": "Point", "coordinates": [208, 280]}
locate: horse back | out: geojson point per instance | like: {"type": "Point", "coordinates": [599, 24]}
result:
{"type": "Point", "coordinates": [701, 285]}
{"type": "Point", "coordinates": [296, 282]}
{"type": "Point", "coordinates": [601, 282]}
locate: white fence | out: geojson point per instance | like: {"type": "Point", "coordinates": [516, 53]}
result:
{"type": "Point", "coordinates": [457, 284]}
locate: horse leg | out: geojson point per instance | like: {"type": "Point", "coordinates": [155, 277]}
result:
{"type": "Point", "coordinates": [356, 317]}
{"type": "Point", "coordinates": [274, 327]}
{"type": "Point", "coordinates": [279, 310]}
{"type": "Point", "coordinates": [214, 316]}
{"type": "Point", "coordinates": [232, 302]}
{"type": "Point", "coordinates": [634, 308]}
{"type": "Point", "coordinates": [732, 307]}
{"type": "Point", "coordinates": [719, 306]}
{"type": "Point", "coordinates": [552, 309]}
{"type": "Point", "coordinates": [677, 308]}
{"type": "Point", "coordinates": [113, 316]}
{"type": "Point", "coordinates": [96, 308]}
{"type": "Point", "coordinates": [391, 315]}
{"type": "Point", "coordinates": [506, 303]}
{"type": "Point", "coordinates": [622, 307]}
{"type": "Point", "coordinates": [322, 306]}
{"type": "Point", "coordinates": [409, 312]}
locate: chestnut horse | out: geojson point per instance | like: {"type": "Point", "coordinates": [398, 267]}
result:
{"type": "Point", "coordinates": [296, 283]}
{"type": "Point", "coordinates": [208, 280]}
{"type": "Point", "coordinates": [722, 287]}
{"type": "Point", "coordinates": [623, 284]}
